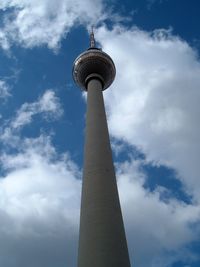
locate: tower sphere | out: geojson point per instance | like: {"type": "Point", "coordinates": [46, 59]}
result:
{"type": "Point", "coordinates": [93, 64]}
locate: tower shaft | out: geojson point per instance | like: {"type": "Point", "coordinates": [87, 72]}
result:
{"type": "Point", "coordinates": [102, 241]}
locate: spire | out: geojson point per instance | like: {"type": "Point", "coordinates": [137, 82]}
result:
{"type": "Point", "coordinates": [92, 40]}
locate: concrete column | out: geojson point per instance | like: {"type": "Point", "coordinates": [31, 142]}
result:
{"type": "Point", "coordinates": [102, 241]}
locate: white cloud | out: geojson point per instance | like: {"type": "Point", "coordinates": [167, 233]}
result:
{"type": "Point", "coordinates": [4, 43]}
{"type": "Point", "coordinates": [44, 22]}
{"type": "Point", "coordinates": [150, 3]}
{"type": "Point", "coordinates": [39, 194]}
{"type": "Point", "coordinates": [155, 98]}
{"type": "Point", "coordinates": [48, 105]}
{"type": "Point", "coordinates": [158, 231]}
{"type": "Point", "coordinates": [4, 89]}
{"type": "Point", "coordinates": [39, 206]}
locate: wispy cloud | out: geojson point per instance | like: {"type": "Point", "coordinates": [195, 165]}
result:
{"type": "Point", "coordinates": [44, 22]}
{"type": "Point", "coordinates": [4, 90]}
{"type": "Point", "coordinates": [4, 43]}
{"type": "Point", "coordinates": [150, 3]}
{"type": "Point", "coordinates": [48, 105]}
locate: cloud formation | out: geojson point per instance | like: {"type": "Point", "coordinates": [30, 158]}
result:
{"type": "Point", "coordinates": [43, 22]}
{"type": "Point", "coordinates": [39, 206]}
{"type": "Point", "coordinates": [158, 231]}
{"type": "Point", "coordinates": [48, 105]}
{"type": "Point", "coordinates": [4, 90]}
{"type": "Point", "coordinates": [156, 99]}
{"type": "Point", "coordinates": [4, 43]}
{"type": "Point", "coordinates": [39, 193]}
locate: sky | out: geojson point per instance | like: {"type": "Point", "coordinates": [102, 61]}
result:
{"type": "Point", "coordinates": [153, 117]}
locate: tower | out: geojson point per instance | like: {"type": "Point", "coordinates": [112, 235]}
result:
{"type": "Point", "coordinates": [102, 240]}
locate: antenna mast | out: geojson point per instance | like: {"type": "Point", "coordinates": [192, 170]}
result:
{"type": "Point", "coordinates": [92, 40]}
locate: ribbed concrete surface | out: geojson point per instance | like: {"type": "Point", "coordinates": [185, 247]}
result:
{"type": "Point", "coordinates": [102, 241]}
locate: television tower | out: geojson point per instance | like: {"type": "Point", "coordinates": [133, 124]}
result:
{"type": "Point", "coordinates": [102, 240]}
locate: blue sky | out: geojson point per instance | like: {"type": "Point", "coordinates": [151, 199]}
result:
{"type": "Point", "coordinates": [152, 109]}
